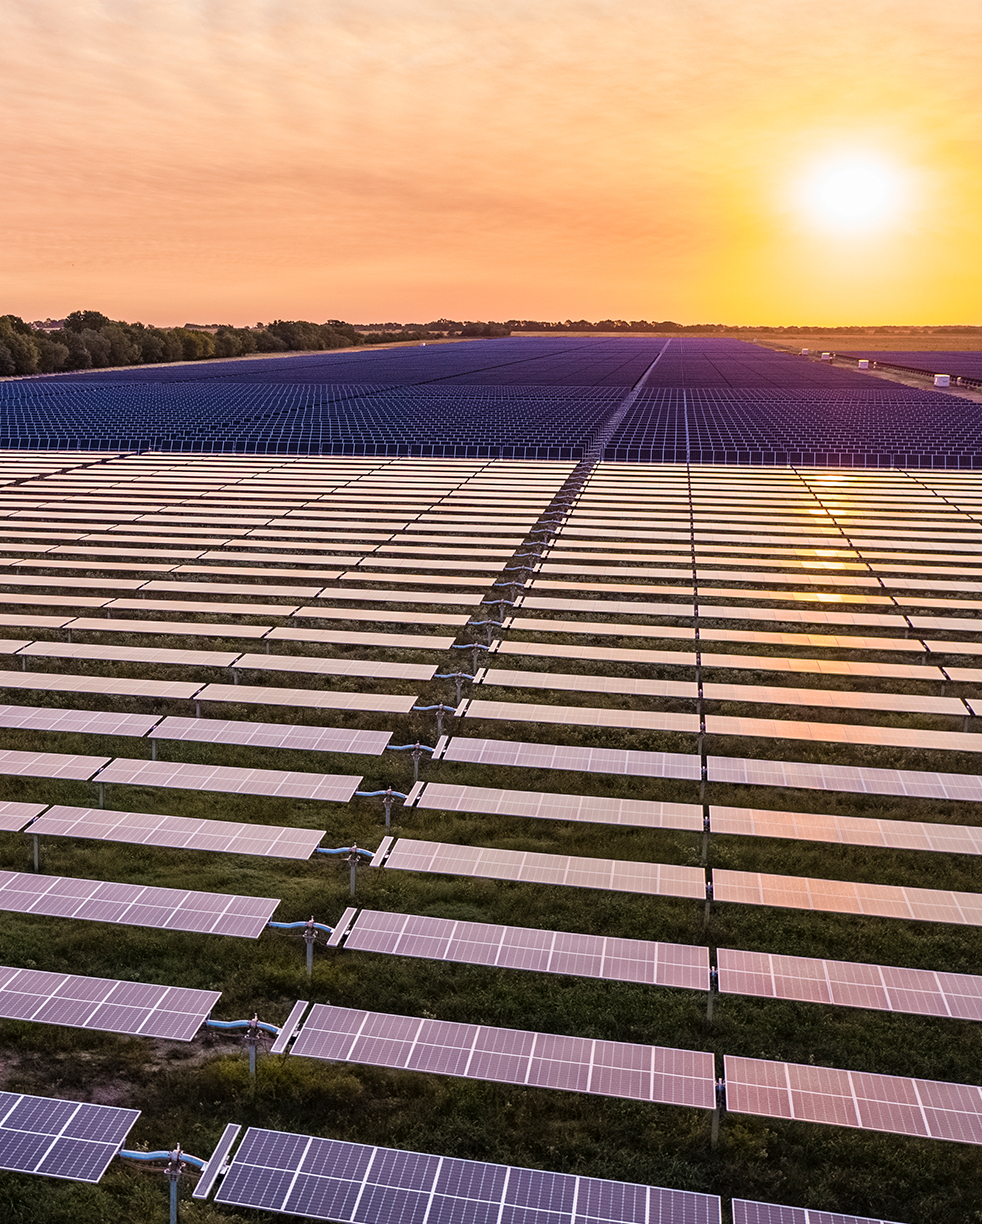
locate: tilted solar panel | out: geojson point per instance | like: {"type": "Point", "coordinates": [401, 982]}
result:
{"type": "Point", "coordinates": [55, 1138]}
{"type": "Point", "coordinates": [326, 1179]}
{"type": "Point", "coordinates": [480, 943]}
{"type": "Point", "coordinates": [138, 1008]}
{"type": "Point", "coordinates": [928, 1108]}
{"type": "Point", "coordinates": [135, 904]}
{"type": "Point", "coordinates": [509, 1056]}
{"type": "Point", "coordinates": [746, 1212]}
{"type": "Point", "coordinates": [297, 736]}
{"type": "Point", "coordinates": [652, 879]}
{"type": "Point", "coordinates": [850, 984]}
{"type": "Point", "coordinates": [179, 832]}
{"type": "Point", "coordinates": [561, 756]}
{"type": "Point", "coordinates": [336, 788]}
{"type": "Point", "coordinates": [544, 806]}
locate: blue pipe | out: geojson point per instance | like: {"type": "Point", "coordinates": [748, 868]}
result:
{"type": "Point", "coordinates": [469, 646]}
{"type": "Point", "coordinates": [421, 709]}
{"type": "Point", "coordinates": [233, 1024]}
{"type": "Point", "coordinates": [372, 794]}
{"type": "Point", "coordinates": [191, 1160]}
{"type": "Point", "coordinates": [410, 747]}
{"type": "Point", "coordinates": [344, 850]}
{"type": "Point", "coordinates": [454, 675]}
{"type": "Point", "coordinates": [294, 926]}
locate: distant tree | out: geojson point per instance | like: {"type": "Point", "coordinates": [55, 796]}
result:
{"type": "Point", "coordinates": [17, 337]}
{"type": "Point", "coordinates": [82, 320]}
{"type": "Point", "coordinates": [100, 350]}
{"type": "Point", "coordinates": [52, 356]}
{"type": "Point", "coordinates": [79, 357]}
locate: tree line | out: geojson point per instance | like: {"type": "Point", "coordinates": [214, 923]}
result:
{"type": "Point", "coordinates": [89, 340]}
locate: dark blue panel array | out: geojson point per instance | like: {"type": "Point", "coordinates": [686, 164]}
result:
{"type": "Point", "coordinates": [958, 365]}
{"type": "Point", "coordinates": [869, 428]}
{"type": "Point", "coordinates": [703, 400]}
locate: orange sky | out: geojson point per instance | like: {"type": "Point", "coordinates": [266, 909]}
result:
{"type": "Point", "coordinates": [235, 160]}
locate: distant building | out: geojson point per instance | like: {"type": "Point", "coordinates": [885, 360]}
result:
{"type": "Point", "coordinates": [48, 325]}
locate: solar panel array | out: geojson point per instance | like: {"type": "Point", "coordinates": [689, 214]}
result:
{"type": "Point", "coordinates": [648, 630]}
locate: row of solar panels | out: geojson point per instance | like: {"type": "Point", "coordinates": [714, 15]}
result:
{"type": "Point", "coordinates": [328, 1179]}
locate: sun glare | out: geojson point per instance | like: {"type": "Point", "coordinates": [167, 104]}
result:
{"type": "Point", "coordinates": [855, 193]}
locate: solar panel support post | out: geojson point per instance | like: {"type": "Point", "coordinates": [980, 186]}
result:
{"type": "Point", "coordinates": [252, 1039]}
{"type": "Point", "coordinates": [417, 754]}
{"type": "Point", "coordinates": [353, 861]}
{"type": "Point", "coordinates": [102, 794]}
{"type": "Point", "coordinates": [37, 854]}
{"type": "Point", "coordinates": [173, 1173]}
{"type": "Point", "coordinates": [309, 935]}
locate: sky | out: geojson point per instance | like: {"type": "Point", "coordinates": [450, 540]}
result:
{"type": "Point", "coordinates": [767, 161]}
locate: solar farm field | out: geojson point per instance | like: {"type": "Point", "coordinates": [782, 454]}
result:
{"type": "Point", "coordinates": [673, 909]}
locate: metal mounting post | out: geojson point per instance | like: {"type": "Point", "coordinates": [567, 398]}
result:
{"type": "Point", "coordinates": [175, 1168]}
{"type": "Point", "coordinates": [416, 754]}
{"type": "Point", "coordinates": [37, 865]}
{"type": "Point", "coordinates": [353, 860]}
{"type": "Point", "coordinates": [252, 1039]}
{"type": "Point", "coordinates": [387, 801]}
{"type": "Point", "coordinates": [309, 935]}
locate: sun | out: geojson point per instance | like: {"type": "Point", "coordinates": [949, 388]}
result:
{"type": "Point", "coordinates": [852, 193]}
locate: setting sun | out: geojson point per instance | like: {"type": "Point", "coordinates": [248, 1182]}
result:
{"type": "Point", "coordinates": [853, 193]}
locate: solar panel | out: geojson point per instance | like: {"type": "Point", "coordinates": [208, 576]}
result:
{"type": "Point", "coordinates": [849, 984]}
{"type": "Point", "coordinates": [846, 897]}
{"type": "Point", "coordinates": [49, 764]}
{"type": "Point", "coordinates": [630, 685]}
{"type": "Point", "coordinates": [509, 1056]}
{"type": "Point", "coordinates": [651, 879]}
{"type": "Point", "coordinates": [835, 699]}
{"type": "Point", "coordinates": [581, 716]}
{"type": "Point", "coordinates": [368, 595]}
{"type": "Point", "coordinates": [14, 816]}
{"type": "Point", "coordinates": [841, 733]}
{"type": "Point", "coordinates": [138, 1008]}
{"type": "Point", "coordinates": [317, 666]}
{"type": "Point", "coordinates": [746, 1212]}
{"type": "Point", "coordinates": [65, 1139]}
{"type": "Point", "coordinates": [848, 830]}
{"type": "Point", "coordinates": [332, 788]}
{"type": "Point", "coordinates": [394, 641]}
{"type": "Point", "coordinates": [382, 616]}
{"type": "Point", "coordinates": [603, 654]}
{"type": "Point", "coordinates": [326, 1179]}
{"type": "Point", "coordinates": [481, 943]}
{"type": "Point", "coordinates": [594, 809]}
{"type": "Point", "coordinates": [928, 1108]}
{"type": "Point", "coordinates": [313, 699]}
{"type": "Point", "coordinates": [103, 624]}
{"type": "Point", "coordinates": [851, 779]}
{"type": "Point", "coordinates": [117, 686]}
{"type": "Point", "coordinates": [178, 832]}
{"type": "Point", "coordinates": [166, 909]}
{"type": "Point", "coordinates": [273, 735]}
{"type": "Point", "coordinates": [131, 654]}
{"type": "Point", "coordinates": [92, 722]}
{"type": "Point", "coordinates": [618, 761]}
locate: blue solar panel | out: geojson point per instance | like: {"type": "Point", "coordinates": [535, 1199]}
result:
{"type": "Point", "coordinates": [326, 1179]}
{"type": "Point", "coordinates": [67, 1139]}
{"type": "Point", "coordinates": [707, 400]}
{"type": "Point", "coordinates": [746, 1212]}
